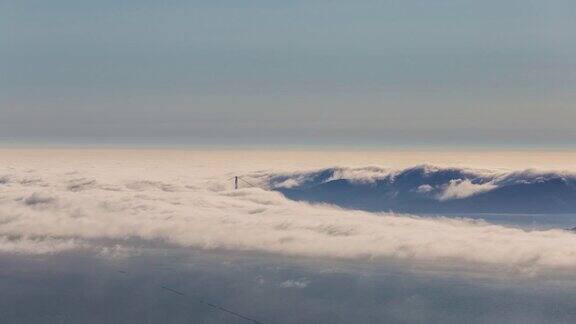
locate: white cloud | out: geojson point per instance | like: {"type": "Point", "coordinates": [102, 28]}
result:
{"type": "Point", "coordinates": [288, 183]}
{"type": "Point", "coordinates": [458, 189]}
{"type": "Point", "coordinates": [362, 175]}
{"type": "Point", "coordinates": [40, 245]}
{"type": "Point", "coordinates": [424, 188]}
{"type": "Point", "coordinates": [190, 203]}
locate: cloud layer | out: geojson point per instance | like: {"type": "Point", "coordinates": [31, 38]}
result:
{"type": "Point", "coordinates": [118, 203]}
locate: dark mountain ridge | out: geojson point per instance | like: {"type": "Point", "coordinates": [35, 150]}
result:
{"type": "Point", "coordinates": [428, 189]}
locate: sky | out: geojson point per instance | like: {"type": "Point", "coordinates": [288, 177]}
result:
{"type": "Point", "coordinates": [326, 73]}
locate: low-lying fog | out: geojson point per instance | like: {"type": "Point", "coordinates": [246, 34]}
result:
{"type": "Point", "coordinates": [153, 236]}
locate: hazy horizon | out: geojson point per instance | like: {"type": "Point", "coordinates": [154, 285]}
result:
{"type": "Point", "coordinates": [272, 144]}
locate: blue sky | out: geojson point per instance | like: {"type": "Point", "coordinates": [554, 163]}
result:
{"type": "Point", "coordinates": [369, 73]}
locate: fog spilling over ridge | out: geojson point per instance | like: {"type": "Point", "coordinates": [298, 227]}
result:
{"type": "Point", "coordinates": [121, 202]}
{"type": "Point", "coordinates": [429, 189]}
